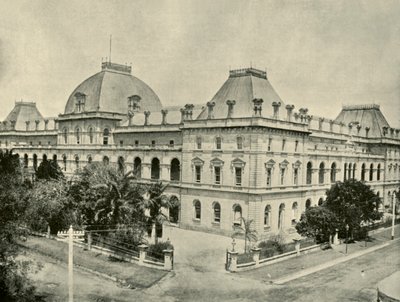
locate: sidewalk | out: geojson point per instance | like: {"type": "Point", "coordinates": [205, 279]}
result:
{"type": "Point", "coordinates": [297, 267]}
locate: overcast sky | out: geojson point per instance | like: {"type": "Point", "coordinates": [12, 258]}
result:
{"type": "Point", "coordinates": [318, 54]}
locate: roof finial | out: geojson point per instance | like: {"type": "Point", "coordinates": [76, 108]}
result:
{"type": "Point", "coordinates": [110, 47]}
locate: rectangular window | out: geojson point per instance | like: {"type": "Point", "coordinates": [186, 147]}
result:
{"type": "Point", "coordinates": [238, 176]}
{"type": "Point", "coordinates": [269, 144]}
{"type": "Point", "coordinates": [198, 143]}
{"type": "Point", "coordinates": [121, 143]}
{"type": "Point", "coordinates": [217, 175]}
{"type": "Point", "coordinates": [218, 143]}
{"type": "Point", "coordinates": [269, 177]}
{"type": "Point", "coordinates": [198, 174]}
{"type": "Point", "coordinates": [296, 145]}
{"type": "Point", "coordinates": [282, 176]}
{"type": "Point", "coordinates": [136, 143]}
{"type": "Point", "coordinates": [40, 143]}
{"type": "Point", "coordinates": [239, 143]}
{"type": "Point", "coordinates": [171, 143]}
{"type": "Point", "coordinates": [283, 144]}
{"type": "Point", "coordinates": [153, 143]}
{"type": "Point", "coordinates": [49, 143]}
{"type": "Point", "coordinates": [296, 176]}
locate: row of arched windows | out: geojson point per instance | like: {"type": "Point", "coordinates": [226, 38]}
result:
{"type": "Point", "coordinates": [321, 173]}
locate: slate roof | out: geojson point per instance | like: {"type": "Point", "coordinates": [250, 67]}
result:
{"type": "Point", "coordinates": [109, 90]}
{"type": "Point", "coordinates": [366, 115]}
{"type": "Point", "coordinates": [22, 112]}
{"type": "Point", "coordinates": [243, 86]}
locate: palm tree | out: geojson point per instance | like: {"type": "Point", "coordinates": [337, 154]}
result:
{"type": "Point", "coordinates": [246, 230]}
{"type": "Point", "coordinates": [154, 202]}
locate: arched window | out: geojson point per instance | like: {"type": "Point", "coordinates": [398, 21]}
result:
{"type": "Point", "coordinates": [106, 134]}
{"type": "Point", "coordinates": [320, 201]}
{"type": "Point", "coordinates": [35, 162]}
{"type": "Point", "coordinates": [121, 164]}
{"type": "Point", "coordinates": [64, 159]}
{"type": "Point", "coordinates": [106, 160]}
{"type": "Point", "coordinates": [267, 216]}
{"type": "Point", "coordinates": [349, 171]}
{"type": "Point", "coordinates": [174, 209]}
{"type": "Point", "coordinates": [65, 135]}
{"type": "Point", "coordinates": [333, 172]}
{"type": "Point", "coordinates": [354, 170]}
{"type": "Point", "coordinates": [77, 162]}
{"type": "Point", "coordinates": [295, 213]}
{"type": "Point", "coordinates": [321, 173]}
{"type": "Point", "coordinates": [155, 168]}
{"type": "Point", "coordinates": [363, 172]}
{"type": "Point", "coordinates": [55, 158]}
{"type": "Point", "coordinates": [197, 209]}
{"type": "Point", "coordinates": [371, 172]}
{"type": "Point", "coordinates": [308, 203]}
{"type": "Point", "coordinates": [218, 143]}
{"type": "Point", "coordinates": [345, 172]}
{"type": "Point", "coordinates": [91, 135]}
{"type": "Point", "coordinates": [137, 167]}
{"type": "Point", "coordinates": [309, 173]}
{"type": "Point", "coordinates": [89, 159]}
{"type": "Point", "coordinates": [26, 161]}
{"type": "Point", "coordinates": [237, 215]}
{"type": "Point", "coordinates": [78, 135]}
{"type": "Point", "coordinates": [175, 170]}
{"type": "Point", "coordinates": [239, 142]}
{"type": "Point", "coordinates": [217, 212]}
{"type": "Point", "coordinates": [281, 217]}
{"type": "Point", "coordinates": [378, 172]}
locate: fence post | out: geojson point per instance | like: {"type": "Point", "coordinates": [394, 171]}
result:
{"type": "Point", "coordinates": [256, 255]}
{"type": "Point", "coordinates": [89, 240]}
{"type": "Point", "coordinates": [142, 253]}
{"type": "Point", "coordinates": [168, 259]}
{"type": "Point", "coordinates": [48, 231]}
{"type": "Point", "coordinates": [233, 265]}
{"type": "Point", "coordinates": [336, 237]}
{"type": "Point", "coordinates": [297, 246]}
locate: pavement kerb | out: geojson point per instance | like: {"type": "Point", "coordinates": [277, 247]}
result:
{"type": "Point", "coordinates": [331, 263]}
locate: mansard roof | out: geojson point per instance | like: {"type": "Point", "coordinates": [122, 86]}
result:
{"type": "Point", "coordinates": [365, 116]}
{"type": "Point", "coordinates": [23, 112]}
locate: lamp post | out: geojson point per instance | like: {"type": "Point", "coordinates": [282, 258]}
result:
{"type": "Point", "coordinates": [394, 214]}
{"type": "Point", "coordinates": [347, 235]}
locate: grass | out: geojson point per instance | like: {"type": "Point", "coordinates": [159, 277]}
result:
{"type": "Point", "coordinates": [135, 275]}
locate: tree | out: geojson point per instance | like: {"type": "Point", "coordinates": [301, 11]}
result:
{"type": "Point", "coordinates": [14, 284]}
{"type": "Point", "coordinates": [49, 169]}
{"type": "Point", "coordinates": [353, 203]}
{"type": "Point", "coordinates": [154, 202]}
{"type": "Point", "coordinates": [247, 231]}
{"type": "Point", "coordinates": [317, 222]}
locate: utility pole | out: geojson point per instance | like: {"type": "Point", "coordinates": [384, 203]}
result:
{"type": "Point", "coordinates": [70, 264]}
{"type": "Point", "coordinates": [394, 214]}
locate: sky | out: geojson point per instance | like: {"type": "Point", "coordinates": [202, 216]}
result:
{"type": "Point", "coordinates": [318, 54]}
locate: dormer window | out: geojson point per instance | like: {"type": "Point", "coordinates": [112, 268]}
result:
{"type": "Point", "coordinates": [134, 103]}
{"type": "Point", "coordinates": [80, 99]}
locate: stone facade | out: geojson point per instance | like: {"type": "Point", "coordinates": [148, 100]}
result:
{"type": "Point", "coordinates": [243, 154]}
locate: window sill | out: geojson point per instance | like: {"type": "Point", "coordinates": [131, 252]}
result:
{"type": "Point", "coordinates": [196, 220]}
{"type": "Point", "coordinates": [216, 186]}
{"type": "Point", "coordinates": [238, 187]}
{"type": "Point", "coordinates": [216, 224]}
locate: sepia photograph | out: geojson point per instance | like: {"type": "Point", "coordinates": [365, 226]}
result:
{"type": "Point", "coordinates": [199, 150]}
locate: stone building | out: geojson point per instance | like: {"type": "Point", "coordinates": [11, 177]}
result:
{"type": "Point", "coordinates": [244, 153]}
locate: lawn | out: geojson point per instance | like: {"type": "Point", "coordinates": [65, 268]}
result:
{"type": "Point", "coordinates": [135, 275]}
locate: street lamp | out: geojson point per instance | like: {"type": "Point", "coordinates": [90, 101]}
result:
{"type": "Point", "coordinates": [347, 235]}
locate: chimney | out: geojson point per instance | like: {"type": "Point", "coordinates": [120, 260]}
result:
{"type": "Point", "coordinates": [131, 114]}
{"type": "Point", "coordinates": [146, 117]}
{"type": "Point", "coordinates": [350, 127]}
{"type": "Point", "coordinates": [164, 113]}
{"type": "Point", "coordinates": [46, 124]}
{"type": "Point", "coordinates": [183, 114]}
{"type": "Point", "coordinates": [341, 124]}
{"type": "Point", "coordinates": [27, 125]}
{"type": "Point", "coordinates": [257, 106]}
{"type": "Point", "coordinates": [392, 132]}
{"type": "Point", "coordinates": [303, 114]}
{"type": "Point", "coordinates": [320, 123]}
{"type": "Point", "coordinates": [210, 106]}
{"type": "Point", "coordinates": [385, 130]}
{"type": "Point", "coordinates": [37, 124]}
{"type": "Point", "coordinates": [13, 124]}
{"type": "Point", "coordinates": [331, 125]}
{"type": "Point", "coordinates": [5, 125]}
{"type": "Point", "coordinates": [189, 111]}
{"type": "Point", "coordinates": [366, 131]}
{"type": "Point", "coordinates": [358, 128]}
{"type": "Point", "coordinates": [276, 106]}
{"type": "Point", "coordinates": [296, 116]}
{"type": "Point", "coordinates": [231, 104]}
{"type": "Point", "coordinates": [289, 109]}
{"type": "Point", "coordinates": [397, 132]}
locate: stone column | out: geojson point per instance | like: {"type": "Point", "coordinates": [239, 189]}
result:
{"type": "Point", "coordinates": [168, 259]}
{"type": "Point", "coordinates": [256, 255]}
{"type": "Point", "coordinates": [164, 113]}
{"type": "Point", "coordinates": [231, 104]}
{"type": "Point", "coordinates": [297, 246]}
{"type": "Point", "coordinates": [289, 109]}
{"type": "Point", "coordinates": [146, 117]}
{"type": "Point", "coordinates": [210, 107]}
{"type": "Point", "coordinates": [276, 106]}
{"type": "Point", "coordinates": [142, 253]}
{"type": "Point", "coordinates": [233, 265]}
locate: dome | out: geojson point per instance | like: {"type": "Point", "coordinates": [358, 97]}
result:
{"type": "Point", "coordinates": [111, 90]}
{"type": "Point", "coordinates": [243, 86]}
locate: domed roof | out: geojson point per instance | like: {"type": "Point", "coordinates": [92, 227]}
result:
{"type": "Point", "coordinates": [109, 91]}
{"type": "Point", "coordinates": [243, 86]}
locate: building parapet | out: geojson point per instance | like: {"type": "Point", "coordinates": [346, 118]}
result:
{"type": "Point", "coordinates": [248, 71]}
